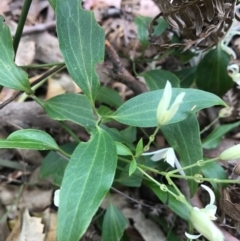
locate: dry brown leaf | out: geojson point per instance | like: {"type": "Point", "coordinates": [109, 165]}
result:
{"type": "Point", "coordinates": [32, 228]}
{"type": "Point", "coordinates": [32, 198]}
{"type": "Point", "coordinates": [51, 228]}
{"type": "Point", "coordinates": [14, 235]}
{"type": "Point", "coordinates": [26, 52]}
{"type": "Point", "coordinates": [61, 84]}
{"type": "Point", "coordinates": [149, 230]}
{"type": "Point", "coordinates": [4, 230]}
{"type": "Point", "coordinates": [47, 48]}
{"type": "Point", "coordinates": [201, 23]}
{"type": "Point", "coordinates": [4, 6]}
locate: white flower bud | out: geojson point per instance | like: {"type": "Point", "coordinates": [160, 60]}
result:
{"type": "Point", "coordinates": [164, 113]}
{"type": "Point", "coordinates": [204, 226]}
{"type": "Point", "coordinates": [231, 153]}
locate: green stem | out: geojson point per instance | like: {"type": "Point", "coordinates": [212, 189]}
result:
{"type": "Point", "coordinates": [24, 96]}
{"type": "Point", "coordinates": [206, 179]}
{"type": "Point", "coordinates": [208, 127]}
{"type": "Point", "coordinates": [143, 167]}
{"type": "Point", "coordinates": [64, 153]}
{"type": "Point", "coordinates": [146, 134]}
{"type": "Point", "coordinates": [39, 66]}
{"type": "Point", "coordinates": [151, 139]}
{"type": "Point", "coordinates": [198, 163]}
{"type": "Point", "coordinates": [66, 127]}
{"type": "Point", "coordinates": [134, 68]}
{"type": "Point", "coordinates": [162, 186]}
{"type": "Point", "coordinates": [38, 100]}
{"type": "Point", "coordinates": [22, 20]}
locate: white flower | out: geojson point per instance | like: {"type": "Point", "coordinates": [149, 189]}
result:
{"type": "Point", "coordinates": [202, 220]}
{"type": "Point", "coordinates": [233, 71]}
{"type": "Point", "coordinates": [231, 153]}
{"type": "Point", "coordinates": [56, 197]}
{"type": "Point", "coordinates": [164, 112]}
{"type": "Point", "coordinates": [233, 30]}
{"type": "Point", "coordinates": [168, 155]}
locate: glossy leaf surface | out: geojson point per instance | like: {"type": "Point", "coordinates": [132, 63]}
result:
{"type": "Point", "coordinates": [212, 72]}
{"type": "Point", "coordinates": [184, 137]}
{"type": "Point", "coordinates": [72, 107]}
{"type": "Point", "coordinates": [87, 179]}
{"type": "Point", "coordinates": [81, 42]}
{"type": "Point", "coordinates": [114, 224]}
{"type": "Point", "coordinates": [29, 139]}
{"type": "Point", "coordinates": [156, 79]}
{"type": "Point", "coordinates": [11, 76]}
{"type": "Point", "coordinates": [141, 110]}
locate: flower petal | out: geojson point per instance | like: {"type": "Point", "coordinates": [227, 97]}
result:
{"type": "Point", "coordinates": [155, 152]}
{"type": "Point", "coordinates": [202, 223]}
{"type": "Point", "coordinates": [170, 157]}
{"type": "Point", "coordinates": [192, 236]}
{"type": "Point", "coordinates": [56, 197]}
{"type": "Point", "coordinates": [211, 194]}
{"type": "Point", "coordinates": [173, 109]}
{"type": "Point", "coordinates": [164, 102]}
{"type": "Point", "coordinates": [211, 211]}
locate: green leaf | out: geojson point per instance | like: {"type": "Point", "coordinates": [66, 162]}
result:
{"type": "Point", "coordinates": [214, 138]}
{"type": "Point", "coordinates": [139, 148]}
{"type": "Point", "coordinates": [114, 224]}
{"type": "Point", "coordinates": [212, 72]}
{"type": "Point", "coordinates": [53, 165]}
{"type": "Point", "coordinates": [109, 97]}
{"type": "Point", "coordinates": [11, 76]}
{"type": "Point", "coordinates": [184, 137]}
{"type": "Point", "coordinates": [135, 180]}
{"type": "Point", "coordinates": [132, 167]}
{"type": "Point", "coordinates": [82, 44]}
{"type": "Point", "coordinates": [123, 150]}
{"type": "Point", "coordinates": [142, 24]}
{"type": "Point", "coordinates": [130, 133]}
{"type": "Point", "coordinates": [29, 139]}
{"type": "Point", "coordinates": [87, 179]}
{"type": "Point", "coordinates": [156, 79]}
{"type": "Point", "coordinates": [186, 76]}
{"type": "Point", "coordinates": [161, 26]}
{"type": "Point", "coordinates": [104, 111]}
{"type": "Point", "coordinates": [115, 134]}
{"type": "Point", "coordinates": [178, 207]}
{"type": "Point", "coordinates": [141, 110]}
{"type": "Point", "coordinates": [214, 170]}
{"type": "Point", "coordinates": [72, 107]}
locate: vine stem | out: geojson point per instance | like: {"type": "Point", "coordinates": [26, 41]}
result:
{"type": "Point", "coordinates": [151, 139]}
{"type": "Point", "coordinates": [64, 153]}
{"type": "Point", "coordinates": [22, 20]}
{"type": "Point", "coordinates": [39, 66]}
{"type": "Point", "coordinates": [202, 179]}
{"type": "Point", "coordinates": [66, 127]}
{"type": "Point", "coordinates": [162, 186]}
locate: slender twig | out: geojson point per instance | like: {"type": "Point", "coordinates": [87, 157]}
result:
{"type": "Point", "coordinates": [38, 28]}
{"type": "Point", "coordinates": [134, 200]}
{"type": "Point", "coordinates": [45, 75]}
{"type": "Point", "coordinates": [22, 19]}
{"type": "Point", "coordinates": [66, 127]}
{"type": "Point", "coordinates": [120, 73]}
